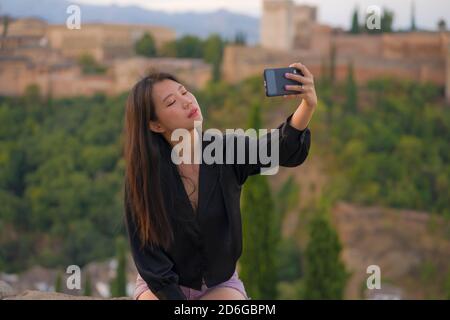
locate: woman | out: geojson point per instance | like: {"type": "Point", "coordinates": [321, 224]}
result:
{"type": "Point", "coordinates": [183, 220]}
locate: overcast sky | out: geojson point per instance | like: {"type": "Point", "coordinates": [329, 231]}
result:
{"type": "Point", "coordinates": [333, 12]}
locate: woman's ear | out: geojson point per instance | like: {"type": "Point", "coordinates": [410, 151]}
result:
{"type": "Point", "coordinates": [155, 126]}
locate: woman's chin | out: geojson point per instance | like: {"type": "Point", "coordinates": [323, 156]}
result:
{"type": "Point", "coordinates": [197, 118]}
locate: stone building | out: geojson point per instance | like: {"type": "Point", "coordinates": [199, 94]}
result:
{"type": "Point", "coordinates": [34, 53]}
{"type": "Point", "coordinates": [286, 25]}
{"type": "Point", "coordinates": [291, 33]}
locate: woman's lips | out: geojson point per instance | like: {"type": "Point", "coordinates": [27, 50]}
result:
{"type": "Point", "coordinates": [193, 113]}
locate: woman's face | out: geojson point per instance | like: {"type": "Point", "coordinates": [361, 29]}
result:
{"type": "Point", "coordinates": [174, 107]}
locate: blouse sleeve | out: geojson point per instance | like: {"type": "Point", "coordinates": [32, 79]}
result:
{"type": "Point", "coordinates": [293, 148]}
{"type": "Point", "coordinates": [153, 264]}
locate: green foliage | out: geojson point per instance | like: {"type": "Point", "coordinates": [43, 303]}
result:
{"type": "Point", "coordinates": [289, 261]}
{"type": "Point", "coordinates": [146, 46]}
{"type": "Point", "coordinates": [447, 285]}
{"type": "Point", "coordinates": [89, 65]}
{"type": "Point", "coordinates": [325, 275]}
{"type": "Point", "coordinates": [58, 282]}
{"type": "Point", "coordinates": [87, 289]}
{"type": "Point", "coordinates": [60, 181]}
{"type": "Point", "coordinates": [351, 91]}
{"type": "Point", "coordinates": [413, 17]}
{"type": "Point", "coordinates": [189, 46]}
{"type": "Point", "coordinates": [395, 151]}
{"type": "Point", "coordinates": [287, 196]}
{"type": "Point", "coordinates": [355, 28]}
{"type": "Point", "coordinates": [119, 283]}
{"type": "Point", "coordinates": [32, 94]}
{"type": "Point", "coordinates": [240, 38]}
{"type": "Point", "coordinates": [261, 232]}
{"type": "Point", "coordinates": [213, 53]}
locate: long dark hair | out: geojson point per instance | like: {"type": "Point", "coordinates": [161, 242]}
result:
{"type": "Point", "coordinates": [142, 153]}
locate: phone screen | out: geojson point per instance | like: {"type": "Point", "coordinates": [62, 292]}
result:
{"type": "Point", "coordinates": [271, 82]}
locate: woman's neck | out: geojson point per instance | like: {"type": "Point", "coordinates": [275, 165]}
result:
{"type": "Point", "coordinates": [191, 146]}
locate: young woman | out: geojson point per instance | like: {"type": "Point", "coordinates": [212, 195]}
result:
{"type": "Point", "coordinates": [183, 220]}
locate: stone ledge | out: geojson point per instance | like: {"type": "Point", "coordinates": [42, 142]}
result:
{"type": "Point", "coordinates": [39, 295]}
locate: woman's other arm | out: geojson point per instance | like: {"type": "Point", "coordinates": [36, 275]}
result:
{"type": "Point", "coordinates": [307, 93]}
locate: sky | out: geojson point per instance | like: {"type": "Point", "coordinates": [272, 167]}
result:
{"type": "Point", "coordinates": [332, 12]}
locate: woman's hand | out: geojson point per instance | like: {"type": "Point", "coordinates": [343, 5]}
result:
{"type": "Point", "coordinates": [306, 88]}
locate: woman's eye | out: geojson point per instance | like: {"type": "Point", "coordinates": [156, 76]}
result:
{"type": "Point", "coordinates": [171, 104]}
{"type": "Point", "coordinates": [184, 93]}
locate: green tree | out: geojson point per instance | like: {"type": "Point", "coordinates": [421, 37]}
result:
{"type": "Point", "coordinates": [213, 53]}
{"type": "Point", "coordinates": [413, 16]}
{"type": "Point", "coordinates": [442, 25]}
{"type": "Point", "coordinates": [189, 47]}
{"type": "Point", "coordinates": [169, 49]}
{"type": "Point", "coordinates": [89, 65]}
{"type": "Point", "coordinates": [332, 64]}
{"type": "Point", "coordinates": [119, 284]}
{"type": "Point", "coordinates": [325, 275]}
{"type": "Point", "coordinates": [87, 290]}
{"type": "Point", "coordinates": [261, 229]}
{"type": "Point", "coordinates": [5, 23]}
{"type": "Point", "coordinates": [32, 94]}
{"type": "Point", "coordinates": [351, 91]}
{"type": "Point", "coordinates": [447, 285]}
{"type": "Point", "coordinates": [240, 38]}
{"type": "Point", "coordinates": [355, 28]}
{"type": "Point", "coordinates": [289, 261]}
{"type": "Point", "coordinates": [146, 46]}
{"type": "Point", "coordinates": [287, 196]}
{"type": "Point", "coordinates": [58, 282]}
{"type": "Point", "coordinates": [387, 20]}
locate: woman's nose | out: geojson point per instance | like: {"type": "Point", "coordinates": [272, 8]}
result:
{"type": "Point", "coordinates": [186, 104]}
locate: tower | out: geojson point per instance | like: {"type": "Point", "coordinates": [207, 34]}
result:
{"type": "Point", "coordinates": [286, 25]}
{"type": "Point", "coordinates": [276, 22]}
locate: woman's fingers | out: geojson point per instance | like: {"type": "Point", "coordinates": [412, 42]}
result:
{"type": "Point", "coordinates": [290, 96]}
{"type": "Point", "coordinates": [302, 68]}
{"type": "Point", "coordinates": [298, 78]}
{"type": "Point", "coordinates": [294, 96]}
{"type": "Point", "coordinates": [300, 88]}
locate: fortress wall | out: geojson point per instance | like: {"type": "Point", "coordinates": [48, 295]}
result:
{"type": "Point", "coordinates": [104, 41]}
{"type": "Point", "coordinates": [242, 62]}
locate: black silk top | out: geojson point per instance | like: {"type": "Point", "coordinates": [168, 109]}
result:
{"type": "Point", "coordinates": [207, 243]}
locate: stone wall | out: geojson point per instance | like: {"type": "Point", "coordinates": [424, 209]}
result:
{"type": "Point", "coordinates": [104, 41]}
{"type": "Point", "coordinates": [66, 80]}
{"type": "Point", "coordinates": [417, 56]}
{"type": "Point", "coordinates": [47, 57]}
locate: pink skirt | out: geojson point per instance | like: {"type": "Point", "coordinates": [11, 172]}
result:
{"type": "Point", "coordinates": [193, 294]}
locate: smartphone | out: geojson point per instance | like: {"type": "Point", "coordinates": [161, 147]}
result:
{"type": "Point", "coordinates": [274, 81]}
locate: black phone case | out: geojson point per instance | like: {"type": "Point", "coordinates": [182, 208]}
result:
{"type": "Point", "coordinates": [274, 81]}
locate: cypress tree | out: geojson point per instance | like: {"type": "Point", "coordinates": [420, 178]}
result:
{"type": "Point", "coordinates": [351, 91]}
{"type": "Point", "coordinates": [325, 274]}
{"type": "Point", "coordinates": [118, 287]}
{"type": "Point", "coordinates": [58, 282]}
{"type": "Point", "coordinates": [260, 233]}
{"type": "Point", "coordinates": [87, 286]}
{"type": "Point", "coordinates": [355, 22]}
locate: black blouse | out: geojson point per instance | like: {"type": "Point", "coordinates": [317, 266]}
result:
{"type": "Point", "coordinates": [207, 243]}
